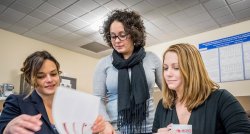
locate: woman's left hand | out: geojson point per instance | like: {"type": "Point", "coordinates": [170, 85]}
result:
{"type": "Point", "coordinates": [99, 125]}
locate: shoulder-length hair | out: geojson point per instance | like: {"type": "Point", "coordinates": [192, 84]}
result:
{"type": "Point", "coordinates": [197, 84]}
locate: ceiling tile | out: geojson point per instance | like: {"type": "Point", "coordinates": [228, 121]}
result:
{"type": "Point", "coordinates": [178, 17]}
{"type": "Point", "coordinates": [64, 16]}
{"type": "Point", "coordinates": [6, 2]}
{"type": "Point", "coordinates": [159, 3]}
{"type": "Point", "coordinates": [200, 27]}
{"type": "Point", "coordinates": [161, 21]}
{"type": "Point", "coordinates": [100, 12]}
{"type": "Point", "coordinates": [39, 15]}
{"type": "Point", "coordinates": [219, 12]}
{"type": "Point", "coordinates": [85, 31]}
{"type": "Point", "coordinates": [169, 9]}
{"type": "Point", "coordinates": [2, 8]}
{"type": "Point", "coordinates": [222, 20]}
{"type": "Point", "coordinates": [79, 23]}
{"type": "Point", "coordinates": [11, 16]}
{"type": "Point", "coordinates": [89, 18]}
{"type": "Point", "coordinates": [76, 10]}
{"type": "Point", "coordinates": [58, 33]}
{"type": "Point", "coordinates": [214, 4]}
{"type": "Point", "coordinates": [200, 18]}
{"type": "Point", "coordinates": [81, 41]}
{"type": "Point", "coordinates": [21, 8]}
{"type": "Point", "coordinates": [152, 15]}
{"type": "Point", "coordinates": [243, 14]}
{"type": "Point", "coordinates": [43, 28]}
{"type": "Point", "coordinates": [55, 21]}
{"type": "Point", "coordinates": [70, 37]}
{"type": "Point", "coordinates": [48, 9]}
{"type": "Point", "coordinates": [233, 1]}
{"type": "Point", "coordinates": [183, 4]}
{"type": "Point", "coordinates": [29, 22]}
{"type": "Point", "coordinates": [69, 27]}
{"type": "Point", "coordinates": [115, 4]}
{"type": "Point", "coordinates": [241, 5]}
{"type": "Point", "coordinates": [169, 28]}
{"type": "Point", "coordinates": [95, 36]}
{"type": "Point", "coordinates": [62, 3]}
{"type": "Point", "coordinates": [142, 7]}
{"type": "Point", "coordinates": [102, 2]}
{"type": "Point", "coordinates": [195, 10]}
{"type": "Point", "coordinates": [88, 5]}
{"type": "Point", "coordinates": [152, 29]}
{"type": "Point", "coordinates": [130, 3]}
{"type": "Point", "coordinates": [17, 29]}
{"type": "Point", "coordinates": [4, 25]}
{"type": "Point", "coordinates": [31, 3]}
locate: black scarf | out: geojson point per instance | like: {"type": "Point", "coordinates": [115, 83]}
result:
{"type": "Point", "coordinates": [132, 95]}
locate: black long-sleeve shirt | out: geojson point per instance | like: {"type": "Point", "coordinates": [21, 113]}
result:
{"type": "Point", "coordinates": [221, 113]}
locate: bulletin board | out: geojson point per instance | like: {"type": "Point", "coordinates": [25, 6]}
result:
{"type": "Point", "coordinates": [227, 59]}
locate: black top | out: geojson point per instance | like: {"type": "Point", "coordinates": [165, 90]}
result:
{"type": "Point", "coordinates": [221, 113]}
{"type": "Point", "coordinates": [16, 105]}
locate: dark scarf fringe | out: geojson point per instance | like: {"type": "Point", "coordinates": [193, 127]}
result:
{"type": "Point", "coordinates": [130, 121]}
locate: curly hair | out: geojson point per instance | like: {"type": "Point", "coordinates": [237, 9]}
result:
{"type": "Point", "coordinates": [33, 63]}
{"type": "Point", "coordinates": [133, 25]}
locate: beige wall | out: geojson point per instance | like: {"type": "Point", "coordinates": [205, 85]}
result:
{"type": "Point", "coordinates": [15, 48]}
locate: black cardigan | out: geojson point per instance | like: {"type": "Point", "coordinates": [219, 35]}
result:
{"type": "Point", "coordinates": [221, 113]}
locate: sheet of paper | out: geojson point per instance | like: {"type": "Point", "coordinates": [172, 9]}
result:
{"type": "Point", "coordinates": [73, 111]}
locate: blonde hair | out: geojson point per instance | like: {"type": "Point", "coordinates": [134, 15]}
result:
{"type": "Point", "coordinates": [197, 84]}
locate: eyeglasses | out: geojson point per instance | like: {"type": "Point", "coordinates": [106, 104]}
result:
{"type": "Point", "coordinates": [121, 37]}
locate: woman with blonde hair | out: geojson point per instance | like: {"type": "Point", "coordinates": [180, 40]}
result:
{"type": "Point", "coordinates": [191, 97]}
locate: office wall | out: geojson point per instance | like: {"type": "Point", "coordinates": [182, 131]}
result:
{"type": "Point", "coordinates": [15, 48]}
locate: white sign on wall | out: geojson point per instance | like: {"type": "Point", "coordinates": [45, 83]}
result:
{"type": "Point", "coordinates": [227, 59]}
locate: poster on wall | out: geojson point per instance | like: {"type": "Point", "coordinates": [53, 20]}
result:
{"type": "Point", "coordinates": [227, 59]}
{"type": "Point", "coordinates": [68, 82]}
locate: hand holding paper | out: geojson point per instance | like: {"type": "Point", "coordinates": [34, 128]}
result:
{"type": "Point", "coordinates": [74, 112]}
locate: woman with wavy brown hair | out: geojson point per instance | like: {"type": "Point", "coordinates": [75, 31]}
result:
{"type": "Point", "coordinates": [191, 97]}
{"type": "Point", "coordinates": [32, 113]}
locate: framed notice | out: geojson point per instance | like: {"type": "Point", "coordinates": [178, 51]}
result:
{"type": "Point", "coordinates": [68, 82]}
{"type": "Point", "coordinates": [227, 59]}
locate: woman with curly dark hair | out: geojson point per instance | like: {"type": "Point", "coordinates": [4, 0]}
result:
{"type": "Point", "coordinates": [125, 79]}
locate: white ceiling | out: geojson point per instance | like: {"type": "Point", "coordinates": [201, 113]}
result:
{"type": "Point", "coordinates": [72, 23]}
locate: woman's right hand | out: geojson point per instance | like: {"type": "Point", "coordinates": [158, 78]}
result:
{"type": "Point", "coordinates": [166, 130]}
{"type": "Point", "coordinates": [24, 124]}
{"type": "Point", "coordinates": [108, 129]}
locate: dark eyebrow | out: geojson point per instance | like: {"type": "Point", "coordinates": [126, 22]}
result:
{"type": "Point", "coordinates": [121, 32]}
{"type": "Point", "coordinates": [50, 72]}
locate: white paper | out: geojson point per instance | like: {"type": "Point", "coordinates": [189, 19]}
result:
{"type": "Point", "coordinates": [231, 63]}
{"type": "Point", "coordinates": [211, 61]}
{"type": "Point", "coordinates": [74, 112]}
